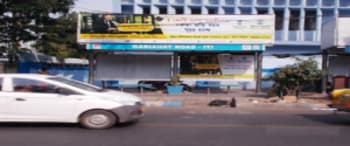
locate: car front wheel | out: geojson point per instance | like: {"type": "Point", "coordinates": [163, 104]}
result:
{"type": "Point", "coordinates": [98, 119]}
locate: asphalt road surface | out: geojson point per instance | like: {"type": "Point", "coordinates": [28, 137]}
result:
{"type": "Point", "coordinates": [194, 127]}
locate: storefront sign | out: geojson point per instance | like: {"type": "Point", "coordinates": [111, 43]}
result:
{"type": "Point", "coordinates": [176, 29]}
{"type": "Point", "coordinates": [175, 47]}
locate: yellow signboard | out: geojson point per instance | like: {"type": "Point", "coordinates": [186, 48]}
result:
{"type": "Point", "coordinates": [190, 29]}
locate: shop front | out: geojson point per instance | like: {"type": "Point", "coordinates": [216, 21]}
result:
{"type": "Point", "coordinates": [336, 53]}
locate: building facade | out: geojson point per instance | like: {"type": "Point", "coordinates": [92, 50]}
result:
{"type": "Point", "coordinates": [298, 22]}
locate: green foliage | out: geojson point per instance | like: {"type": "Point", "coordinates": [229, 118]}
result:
{"type": "Point", "coordinates": [175, 80]}
{"type": "Point", "coordinates": [61, 40]}
{"type": "Point", "coordinates": [29, 20]}
{"type": "Point", "coordinates": [292, 77]}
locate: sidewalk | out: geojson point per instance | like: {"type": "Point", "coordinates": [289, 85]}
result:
{"type": "Point", "coordinates": [244, 100]}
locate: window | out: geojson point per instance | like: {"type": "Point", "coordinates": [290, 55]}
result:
{"type": "Point", "coordinates": [163, 10]}
{"type": "Point", "coordinates": [294, 20]}
{"type": "Point", "coordinates": [196, 10]}
{"type": "Point", "coordinates": [344, 13]}
{"type": "Point", "coordinates": [127, 9]}
{"type": "Point", "coordinates": [163, 1]}
{"type": "Point", "coordinates": [77, 84]}
{"type": "Point", "coordinates": [246, 2]}
{"type": "Point", "coordinates": [311, 2]}
{"type": "Point", "coordinates": [245, 11]}
{"type": "Point", "coordinates": [229, 2]}
{"type": "Point", "coordinates": [229, 10]}
{"type": "Point", "coordinates": [179, 10]}
{"type": "Point", "coordinates": [179, 1]}
{"type": "Point", "coordinates": [327, 15]}
{"type": "Point", "coordinates": [263, 11]}
{"type": "Point", "coordinates": [213, 2]}
{"type": "Point", "coordinates": [344, 3]}
{"type": "Point", "coordinates": [327, 3]}
{"type": "Point", "coordinates": [29, 85]}
{"type": "Point", "coordinates": [196, 2]}
{"type": "Point", "coordinates": [310, 20]}
{"type": "Point", "coordinates": [262, 2]}
{"type": "Point", "coordinates": [295, 2]}
{"type": "Point", "coordinates": [146, 10]}
{"type": "Point", "coordinates": [279, 2]}
{"type": "Point", "coordinates": [212, 10]}
{"type": "Point", "coordinates": [279, 19]}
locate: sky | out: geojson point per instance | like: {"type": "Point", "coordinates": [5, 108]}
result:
{"type": "Point", "coordinates": [93, 6]}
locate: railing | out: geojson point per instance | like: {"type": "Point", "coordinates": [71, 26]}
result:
{"type": "Point", "coordinates": [310, 36]}
{"type": "Point", "coordinates": [278, 35]}
{"type": "Point", "coordinates": [293, 35]}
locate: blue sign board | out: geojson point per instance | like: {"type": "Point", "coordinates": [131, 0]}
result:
{"type": "Point", "coordinates": [174, 47]}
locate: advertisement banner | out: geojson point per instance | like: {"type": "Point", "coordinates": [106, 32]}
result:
{"type": "Point", "coordinates": [224, 66]}
{"type": "Point", "coordinates": [176, 29]}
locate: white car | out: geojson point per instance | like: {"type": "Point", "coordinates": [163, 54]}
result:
{"type": "Point", "coordinates": [44, 98]}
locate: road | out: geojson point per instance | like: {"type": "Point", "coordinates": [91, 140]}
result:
{"type": "Point", "coordinates": [194, 127]}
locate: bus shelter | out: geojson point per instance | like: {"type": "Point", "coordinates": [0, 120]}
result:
{"type": "Point", "coordinates": [223, 48]}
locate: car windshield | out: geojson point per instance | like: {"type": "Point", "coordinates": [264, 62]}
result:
{"type": "Point", "coordinates": [77, 84]}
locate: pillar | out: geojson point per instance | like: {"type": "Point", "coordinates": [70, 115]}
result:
{"type": "Point", "coordinates": [258, 56]}
{"type": "Point", "coordinates": [92, 56]}
{"type": "Point", "coordinates": [325, 68]}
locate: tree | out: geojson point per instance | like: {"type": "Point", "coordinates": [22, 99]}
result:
{"type": "Point", "coordinates": [23, 21]}
{"type": "Point", "coordinates": [291, 78]}
{"type": "Point", "coordinates": [61, 40]}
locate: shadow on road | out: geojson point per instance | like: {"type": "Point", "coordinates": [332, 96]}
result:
{"type": "Point", "coordinates": [38, 125]}
{"type": "Point", "coordinates": [342, 119]}
{"type": "Point", "coordinates": [56, 125]}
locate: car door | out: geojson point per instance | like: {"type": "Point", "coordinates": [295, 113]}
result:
{"type": "Point", "coordinates": [37, 100]}
{"type": "Point", "coordinates": [4, 102]}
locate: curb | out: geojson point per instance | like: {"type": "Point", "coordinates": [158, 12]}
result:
{"type": "Point", "coordinates": [164, 103]}
{"type": "Point", "coordinates": [179, 104]}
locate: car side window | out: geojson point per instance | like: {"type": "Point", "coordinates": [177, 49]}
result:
{"type": "Point", "coordinates": [29, 85]}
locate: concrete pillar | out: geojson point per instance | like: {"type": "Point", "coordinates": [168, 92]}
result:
{"type": "Point", "coordinates": [302, 25]}
{"type": "Point", "coordinates": [286, 24]}
{"type": "Point", "coordinates": [318, 24]}
{"type": "Point", "coordinates": [175, 63]}
{"type": "Point", "coordinates": [325, 68]}
{"type": "Point", "coordinates": [171, 10]}
{"type": "Point", "coordinates": [259, 57]}
{"type": "Point", "coordinates": [92, 58]}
